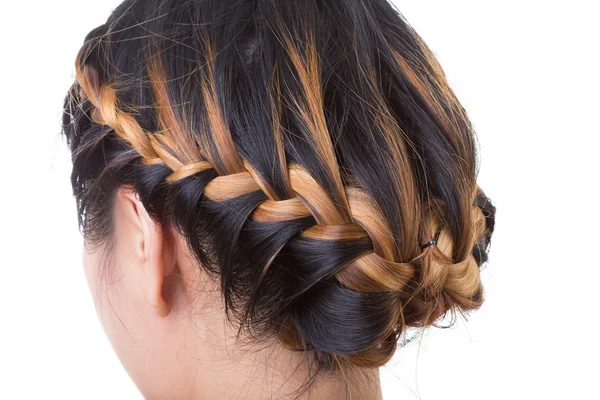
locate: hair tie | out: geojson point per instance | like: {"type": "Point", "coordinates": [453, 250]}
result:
{"type": "Point", "coordinates": [432, 241]}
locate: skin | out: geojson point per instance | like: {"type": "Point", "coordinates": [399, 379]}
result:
{"type": "Point", "coordinates": [165, 319]}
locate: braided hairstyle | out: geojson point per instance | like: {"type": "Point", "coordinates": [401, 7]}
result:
{"type": "Point", "coordinates": [312, 154]}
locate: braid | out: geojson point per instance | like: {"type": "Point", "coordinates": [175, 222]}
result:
{"type": "Point", "coordinates": [306, 245]}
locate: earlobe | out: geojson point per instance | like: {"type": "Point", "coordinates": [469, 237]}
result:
{"type": "Point", "coordinates": [156, 297]}
{"type": "Point", "coordinates": [159, 263]}
{"type": "Point", "coordinates": [157, 255]}
{"type": "Point", "coordinates": [158, 266]}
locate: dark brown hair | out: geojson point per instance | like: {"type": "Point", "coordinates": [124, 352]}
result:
{"type": "Point", "coordinates": [311, 152]}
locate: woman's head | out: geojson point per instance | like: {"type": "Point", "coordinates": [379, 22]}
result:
{"type": "Point", "coordinates": [305, 164]}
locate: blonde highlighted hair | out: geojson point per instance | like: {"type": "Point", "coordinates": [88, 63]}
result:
{"type": "Point", "coordinates": [312, 153]}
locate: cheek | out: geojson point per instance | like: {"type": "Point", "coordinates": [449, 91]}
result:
{"type": "Point", "coordinates": [116, 298]}
{"type": "Point", "coordinates": [146, 345]}
{"type": "Point", "coordinates": [91, 267]}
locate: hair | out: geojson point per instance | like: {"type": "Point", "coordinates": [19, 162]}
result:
{"type": "Point", "coordinates": [312, 154]}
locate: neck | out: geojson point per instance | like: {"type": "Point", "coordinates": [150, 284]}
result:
{"type": "Point", "coordinates": [211, 363]}
{"type": "Point", "coordinates": [226, 369]}
{"type": "Point", "coordinates": [275, 373]}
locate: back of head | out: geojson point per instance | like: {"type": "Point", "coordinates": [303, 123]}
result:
{"type": "Point", "coordinates": [312, 154]}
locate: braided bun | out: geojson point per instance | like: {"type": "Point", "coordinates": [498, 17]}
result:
{"type": "Point", "coordinates": [314, 157]}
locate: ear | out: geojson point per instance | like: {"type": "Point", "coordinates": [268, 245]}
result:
{"type": "Point", "coordinates": [154, 248]}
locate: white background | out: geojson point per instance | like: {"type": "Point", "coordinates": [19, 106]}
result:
{"type": "Point", "coordinates": [528, 74]}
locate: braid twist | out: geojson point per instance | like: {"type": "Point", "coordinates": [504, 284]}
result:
{"type": "Point", "coordinates": [306, 245]}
